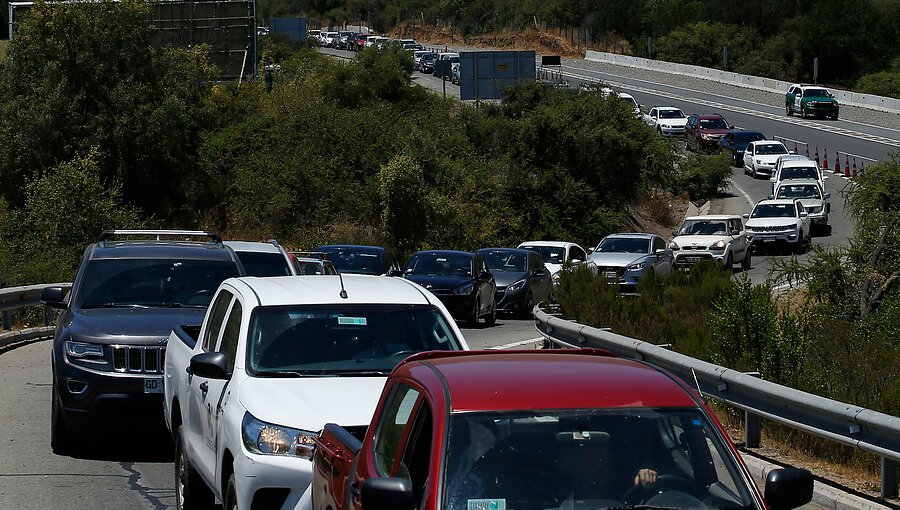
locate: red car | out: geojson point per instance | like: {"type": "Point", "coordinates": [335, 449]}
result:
{"type": "Point", "coordinates": [537, 430]}
{"type": "Point", "coordinates": [704, 131]}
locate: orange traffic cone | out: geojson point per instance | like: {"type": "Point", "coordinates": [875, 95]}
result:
{"type": "Point", "coordinates": [847, 166]}
{"type": "Point", "coordinates": [825, 161]}
{"type": "Point", "coordinates": [817, 155]}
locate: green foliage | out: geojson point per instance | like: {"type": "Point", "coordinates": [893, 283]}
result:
{"type": "Point", "coordinates": [702, 43]}
{"type": "Point", "coordinates": [702, 176]}
{"type": "Point", "coordinates": [884, 83]}
{"type": "Point", "coordinates": [405, 213]}
{"type": "Point", "coordinates": [44, 242]}
{"type": "Point", "coordinates": [85, 77]}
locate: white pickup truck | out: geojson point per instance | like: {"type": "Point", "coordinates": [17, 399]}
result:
{"type": "Point", "coordinates": [276, 359]}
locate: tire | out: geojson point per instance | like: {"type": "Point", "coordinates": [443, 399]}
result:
{"type": "Point", "coordinates": [191, 491]}
{"type": "Point", "coordinates": [231, 494]}
{"type": "Point", "coordinates": [753, 172]}
{"type": "Point", "coordinates": [729, 262]}
{"type": "Point", "coordinates": [473, 317]}
{"type": "Point", "coordinates": [803, 112]}
{"type": "Point", "coordinates": [788, 110]}
{"type": "Point", "coordinates": [745, 264]}
{"type": "Point", "coordinates": [490, 320]}
{"type": "Point", "coordinates": [60, 433]}
{"type": "Point", "coordinates": [525, 313]}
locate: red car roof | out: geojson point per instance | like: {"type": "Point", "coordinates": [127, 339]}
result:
{"type": "Point", "coordinates": [506, 381]}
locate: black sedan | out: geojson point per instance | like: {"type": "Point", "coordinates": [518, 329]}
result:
{"type": "Point", "coordinates": [522, 279]}
{"type": "Point", "coordinates": [461, 281]}
{"type": "Point", "coordinates": [736, 141]}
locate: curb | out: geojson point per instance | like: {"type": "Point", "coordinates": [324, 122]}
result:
{"type": "Point", "coordinates": [26, 335]}
{"type": "Point", "coordinates": [824, 495]}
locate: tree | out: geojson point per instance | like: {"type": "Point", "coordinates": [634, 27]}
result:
{"type": "Point", "coordinates": [85, 76]}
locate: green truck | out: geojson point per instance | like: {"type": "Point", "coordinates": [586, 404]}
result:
{"type": "Point", "coordinates": [811, 100]}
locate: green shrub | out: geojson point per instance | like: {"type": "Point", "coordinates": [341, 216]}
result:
{"type": "Point", "coordinates": [702, 176]}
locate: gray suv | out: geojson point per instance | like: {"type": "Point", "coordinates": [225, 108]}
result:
{"type": "Point", "coordinates": [132, 289]}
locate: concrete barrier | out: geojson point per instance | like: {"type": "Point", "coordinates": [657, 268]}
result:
{"type": "Point", "coordinates": [845, 97]}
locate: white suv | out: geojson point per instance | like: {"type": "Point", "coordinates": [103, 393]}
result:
{"type": "Point", "coordinates": [810, 194]}
{"type": "Point", "coordinates": [713, 237]}
{"type": "Point", "coordinates": [779, 221]}
{"type": "Point", "coordinates": [262, 259]}
{"type": "Point", "coordinates": [295, 354]}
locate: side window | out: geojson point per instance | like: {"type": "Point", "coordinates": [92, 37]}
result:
{"type": "Point", "coordinates": [653, 113]}
{"type": "Point", "coordinates": [658, 244]}
{"type": "Point", "coordinates": [735, 225]}
{"type": "Point", "coordinates": [576, 253]}
{"type": "Point", "coordinates": [230, 335]}
{"type": "Point", "coordinates": [391, 426]}
{"type": "Point", "coordinates": [799, 208]}
{"type": "Point", "coordinates": [416, 459]}
{"type": "Point", "coordinates": [219, 307]}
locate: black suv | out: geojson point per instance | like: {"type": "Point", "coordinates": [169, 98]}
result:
{"type": "Point", "coordinates": [132, 289]}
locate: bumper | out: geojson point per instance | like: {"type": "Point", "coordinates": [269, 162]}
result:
{"type": "Point", "coordinates": [89, 397]}
{"type": "Point", "coordinates": [822, 110]}
{"type": "Point", "coordinates": [270, 481]}
{"type": "Point", "coordinates": [763, 238]}
{"type": "Point", "coordinates": [672, 130]}
{"type": "Point", "coordinates": [765, 169]}
{"type": "Point", "coordinates": [689, 258]}
{"type": "Point", "coordinates": [711, 144]}
{"type": "Point", "coordinates": [819, 218]}
{"type": "Point", "coordinates": [512, 302]}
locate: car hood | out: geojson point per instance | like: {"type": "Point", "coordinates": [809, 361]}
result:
{"type": "Point", "coordinates": [767, 158]}
{"type": "Point", "coordinates": [505, 278]}
{"type": "Point", "coordinates": [819, 99]}
{"type": "Point", "coordinates": [439, 281]}
{"type": "Point", "coordinates": [682, 241]}
{"type": "Point", "coordinates": [811, 202]}
{"type": "Point", "coordinates": [717, 132]}
{"type": "Point", "coordinates": [740, 146]}
{"type": "Point", "coordinates": [672, 122]}
{"type": "Point", "coordinates": [553, 268]}
{"type": "Point", "coordinates": [771, 222]}
{"type": "Point", "coordinates": [615, 259]}
{"type": "Point", "coordinates": [144, 326]}
{"type": "Point", "coordinates": [309, 403]}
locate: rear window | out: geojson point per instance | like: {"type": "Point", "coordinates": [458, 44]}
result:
{"type": "Point", "coordinates": [264, 264]}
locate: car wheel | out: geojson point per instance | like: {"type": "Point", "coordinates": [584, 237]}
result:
{"type": "Point", "coordinates": [753, 170]}
{"type": "Point", "coordinates": [687, 146]}
{"type": "Point", "coordinates": [525, 313]}
{"type": "Point", "coordinates": [191, 491]}
{"type": "Point", "coordinates": [789, 111]}
{"type": "Point", "coordinates": [745, 264]}
{"type": "Point", "coordinates": [729, 263]}
{"type": "Point", "coordinates": [834, 117]}
{"type": "Point", "coordinates": [231, 494]}
{"type": "Point", "coordinates": [60, 434]}
{"type": "Point", "coordinates": [473, 316]}
{"type": "Point", "coordinates": [491, 319]}
{"type": "Point", "coordinates": [803, 112]}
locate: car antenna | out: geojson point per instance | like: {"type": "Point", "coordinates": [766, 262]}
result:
{"type": "Point", "coordinates": [343, 293]}
{"type": "Point", "coordinates": [697, 383]}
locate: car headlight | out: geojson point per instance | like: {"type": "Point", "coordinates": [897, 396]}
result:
{"type": "Point", "coordinates": [636, 267]}
{"type": "Point", "coordinates": [758, 161]}
{"type": "Point", "coordinates": [516, 286]}
{"type": "Point", "coordinates": [718, 245]}
{"type": "Point", "coordinates": [706, 136]}
{"type": "Point", "coordinates": [674, 246]}
{"type": "Point", "coordinates": [465, 290]}
{"type": "Point", "coordinates": [555, 276]}
{"type": "Point", "coordinates": [266, 439]}
{"type": "Point", "coordinates": [83, 350]}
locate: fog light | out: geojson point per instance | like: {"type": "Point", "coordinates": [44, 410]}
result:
{"type": "Point", "coordinates": [792, 236]}
{"type": "Point", "coordinates": [76, 387]}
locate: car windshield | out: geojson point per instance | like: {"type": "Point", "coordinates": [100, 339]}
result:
{"type": "Point", "coordinates": [799, 191]}
{"type": "Point", "coordinates": [703, 228]}
{"type": "Point", "coordinates": [774, 211]}
{"type": "Point", "coordinates": [454, 60]}
{"type": "Point", "coordinates": [671, 114]}
{"type": "Point", "coordinates": [440, 263]}
{"type": "Point", "coordinates": [550, 254]}
{"type": "Point", "coordinates": [356, 262]}
{"type": "Point", "coordinates": [152, 282]}
{"type": "Point", "coordinates": [309, 267]}
{"type": "Point", "coordinates": [587, 459]}
{"type": "Point", "coordinates": [428, 57]}
{"type": "Point", "coordinates": [713, 124]}
{"type": "Point", "coordinates": [815, 93]}
{"type": "Point", "coordinates": [800, 172]}
{"type": "Point", "coordinates": [342, 339]}
{"type": "Point", "coordinates": [748, 137]}
{"type": "Point", "coordinates": [623, 245]}
{"type": "Point", "coordinates": [505, 261]}
{"type": "Point", "coordinates": [263, 264]}
{"type": "Point", "coordinates": [771, 148]}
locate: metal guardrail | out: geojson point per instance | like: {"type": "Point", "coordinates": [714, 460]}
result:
{"type": "Point", "coordinates": [847, 424]}
{"type": "Point", "coordinates": [12, 298]}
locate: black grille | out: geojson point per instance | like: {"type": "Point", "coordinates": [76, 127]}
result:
{"type": "Point", "coordinates": [771, 229]}
{"type": "Point", "coordinates": [138, 359]}
{"type": "Point", "coordinates": [689, 248]}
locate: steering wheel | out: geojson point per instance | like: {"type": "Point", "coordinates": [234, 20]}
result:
{"type": "Point", "coordinates": [664, 483]}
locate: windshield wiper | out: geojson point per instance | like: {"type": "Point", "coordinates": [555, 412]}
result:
{"type": "Point", "coordinates": [177, 305]}
{"type": "Point", "coordinates": [116, 305]}
{"type": "Point", "coordinates": [357, 373]}
{"type": "Point", "coordinates": [292, 373]}
{"type": "Point", "coordinates": [640, 507]}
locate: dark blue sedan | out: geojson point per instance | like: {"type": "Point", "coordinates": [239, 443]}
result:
{"type": "Point", "coordinates": [522, 278]}
{"type": "Point", "coordinates": [351, 258]}
{"type": "Point", "coordinates": [736, 141]}
{"type": "Point", "coordinates": [461, 281]}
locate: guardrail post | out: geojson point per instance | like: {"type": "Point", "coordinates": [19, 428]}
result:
{"type": "Point", "coordinates": [7, 323]}
{"type": "Point", "coordinates": [752, 425]}
{"type": "Point", "coordinates": [888, 478]}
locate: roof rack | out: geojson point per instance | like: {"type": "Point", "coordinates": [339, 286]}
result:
{"type": "Point", "coordinates": [157, 234]}
{"type": "Point", "coordinates": [311, 254]}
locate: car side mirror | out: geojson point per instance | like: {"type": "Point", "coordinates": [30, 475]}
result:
{"type": "Point", "coordinates": [674, 233]}
{"type": "Point", "coordinates": [804, 214]}
{"type": "Point", "coordinates": [388, 494]}
{"type": "Point", "coordinates": [827, 195]}
{"type": "Point", "coordinates": [771, 179]}
{"type": "Point", "coordinates": [575, 262]}
{"type": "Point", "coordinates": [395, 272]}
{"type": "Point", "coordinates": [209, 365]}
{"type": "Point", "coordinates": [788, 488]}
{"type": "Point", "coordinates": [485, 275]}
{"type": "Point", "coordinates": [771, 197]}
{"type": "Point", "coordinates": [730, 126]}
{"type": "Point", "coordinates": [53, 297]}
{"type": "Point", "coordinates": [537, 272]}
{"type": "Point", "coordinates": [792, 151]}
{"type": "Point", "coordinates": [660, 251]}
{"type": "Point", "coordinates": [735, 232]}
{"type": "Point", "coordinates": [746, 216]}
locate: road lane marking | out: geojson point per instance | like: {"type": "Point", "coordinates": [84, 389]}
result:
{"type": "Point", "coordinates": [746, 195]}
{"type": "Point", "coordinates": [518, 344]}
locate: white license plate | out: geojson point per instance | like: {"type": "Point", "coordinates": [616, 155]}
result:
{"type": "Point", "coordinates": [693, 259]}
{"type": "Point", "coordinates": [768, 239]}
{"type": "Point", "coordinates": [153, 385]}
{"type": "Point", "coordinates": [610, 274]}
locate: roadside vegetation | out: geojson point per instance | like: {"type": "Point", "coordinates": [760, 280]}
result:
{"type": "Point", "coordinates": [855, 41]}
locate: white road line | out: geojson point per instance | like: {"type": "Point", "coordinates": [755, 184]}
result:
{"type": "Point", "coordinates": [518, 344]}
{"type": "Point", "coordinates": [746, 196]}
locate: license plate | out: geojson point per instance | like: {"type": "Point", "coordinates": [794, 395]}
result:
{"type": "Point", "coordinates": [768, 239]}
{"type": "Point", "coordinates": [153, 385]}
{"type": "Point", "coordinates": [693, 259]}
{"type": "Point", "coordinates": [610, 274]}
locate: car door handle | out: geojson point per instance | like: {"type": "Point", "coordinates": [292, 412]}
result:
{"type": "Point", "coordinates": [204, 387]}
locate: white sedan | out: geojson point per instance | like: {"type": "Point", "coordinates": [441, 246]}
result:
{"type": "Point", "coordinates": [666, 120]}
{"type": "Point", "coordinates": [760, 157]}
